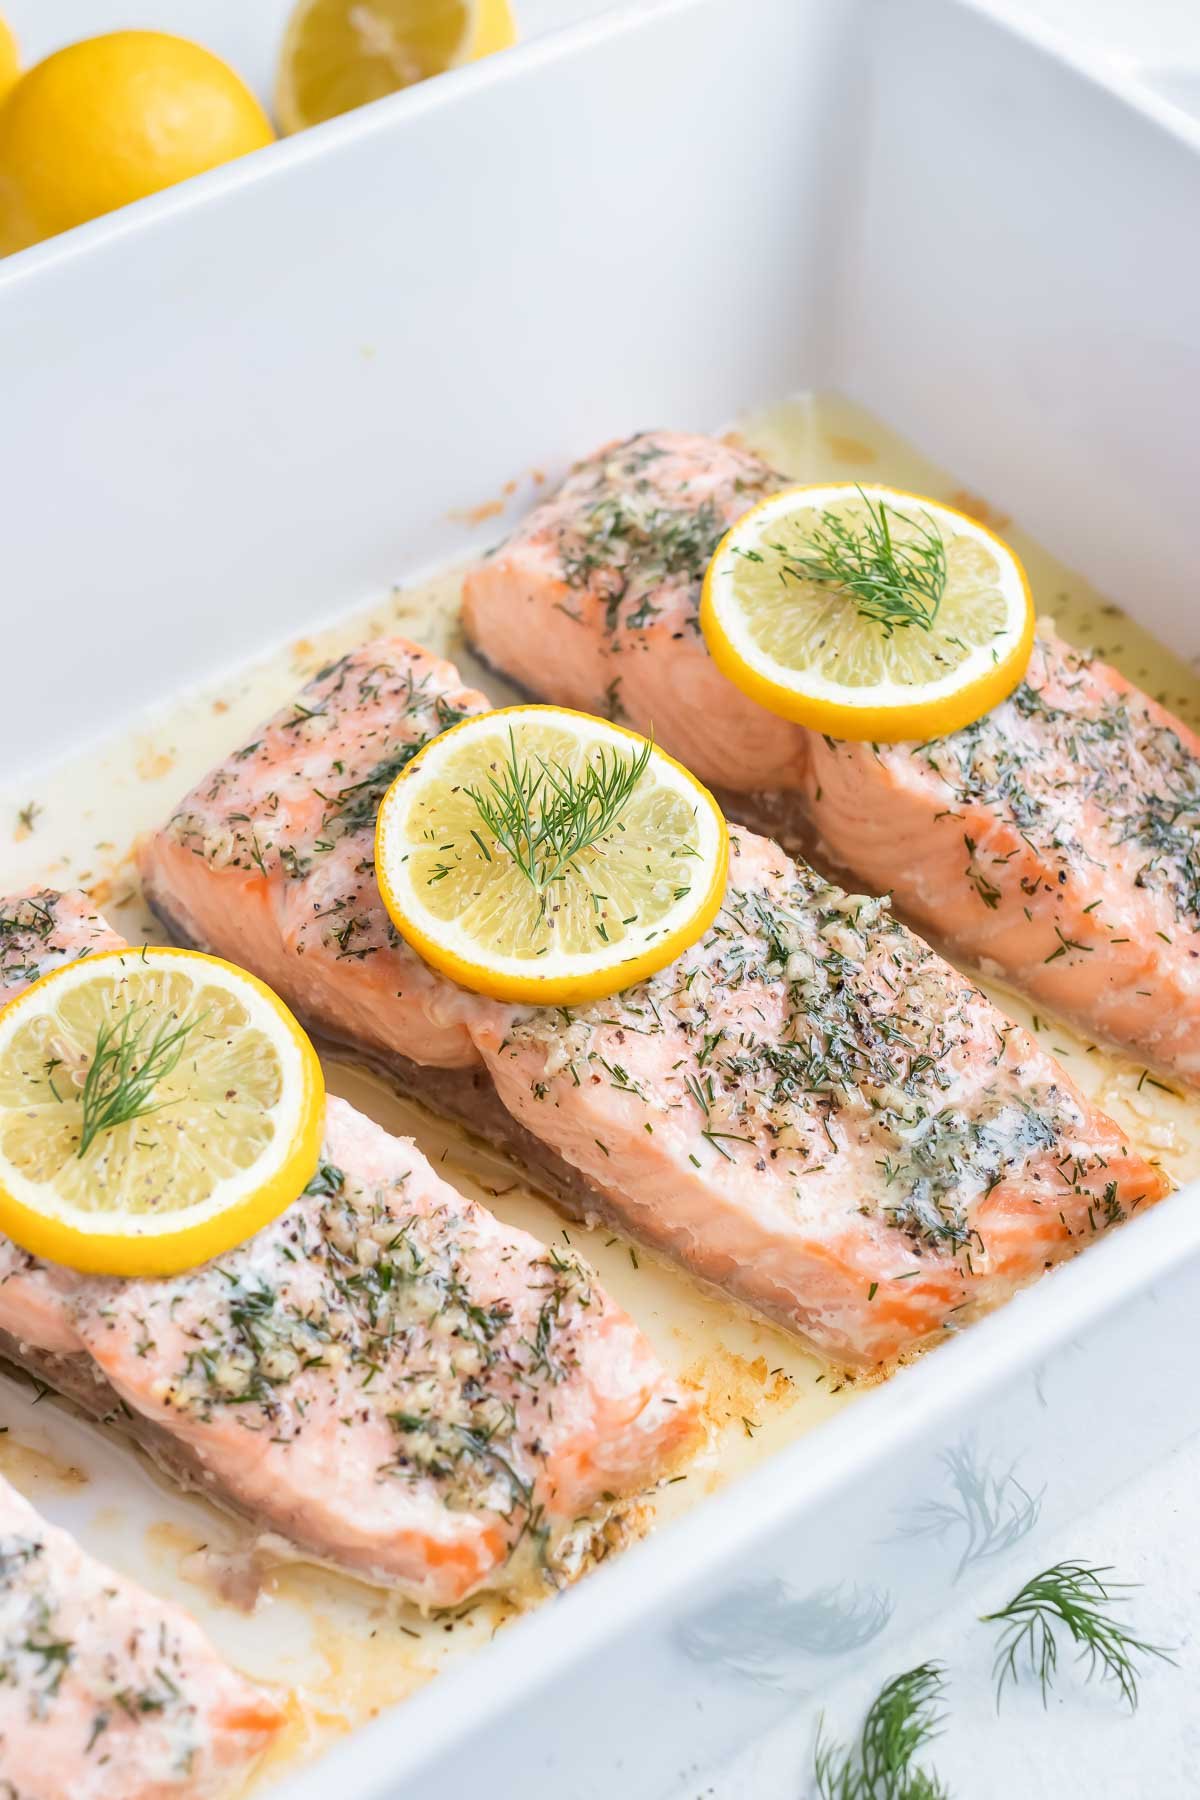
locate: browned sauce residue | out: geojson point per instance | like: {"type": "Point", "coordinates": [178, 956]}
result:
{"type": "Point", "coordinates": [975, 507]}
{"type": "Point", "coordinates": [31, 1469]}
{"type": "Point", "coordinates": [152, 764]}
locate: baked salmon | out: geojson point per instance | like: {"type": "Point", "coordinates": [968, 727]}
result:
{"type": "Point", "coordinates": [106, 1692]}
{"type": "Point", "coordinates": [598, 592]}
{"type": "Point", "coordinates": [824, 1117]}
{"type": "Point", "coordinates": [282, 832]}
{"type": "Point", "coordinates": [809, 1110]}
{"type": "Point", "coordinates": [39, 930]}
{"type": "Point", "coordinates": [385, 1376]}
{"type": "Point", "coordinates": [1053, 843]}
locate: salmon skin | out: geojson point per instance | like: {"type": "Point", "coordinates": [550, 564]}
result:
{"type": "Point", "coordinates": [385, 1376]}
{"type": "Point", "coordinates": [109, 1693]}
{"type": "Point", "coordinates": [809, 1110]}
{"type": "Point", "coordinates": [1052, 844]}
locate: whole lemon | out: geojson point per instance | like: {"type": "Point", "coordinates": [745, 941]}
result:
{"type": "Point", "coordinates": [110, 120]}
{"type": "Point", "coordinates": [9, 63]}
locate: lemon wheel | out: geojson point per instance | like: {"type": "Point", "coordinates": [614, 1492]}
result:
{"type": "Point", "coordinates": [868, 613]}
{"type": "Point", "coordinates": [156, 1107]}
{"type": "Point", "coordinates": [339, 54]}
{"type": "Point", "coordinates": [541, 855]}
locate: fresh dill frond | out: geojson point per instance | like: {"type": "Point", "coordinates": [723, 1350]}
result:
{"type": "Point", "coordinates": [893, 581]}
{"type": "Point", "coordinates": [902, 1719]}
{"type": "Point", "coordinates": [544, 815]}
{"type": "Point", "coordinates": [1076, 1596]}
{"type": "Point", "coordinates": [126, 1067]}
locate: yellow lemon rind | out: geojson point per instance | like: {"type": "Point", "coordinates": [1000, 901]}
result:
{"type": "Point", "coordinates": [10, 58]}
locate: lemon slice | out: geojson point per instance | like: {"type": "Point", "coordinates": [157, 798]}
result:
{"type": "Point", "coordinates": [339, 54]}
{"type": "Point", "coordinates": [156, 1108]}
{"type": "Point", "coordinates": [867, 613]}
{"type": "Point", "coordinates": [541, 855]}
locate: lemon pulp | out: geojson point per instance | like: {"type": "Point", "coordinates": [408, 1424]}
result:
{"type": "Point", "coordinates": [614, 910]}
{"type": "Point", "coordinates": [339, 54]}
{"type": "Point", "coordinates": [815, 650]}
{"type": "Point", "coordinates": [222, 1129]}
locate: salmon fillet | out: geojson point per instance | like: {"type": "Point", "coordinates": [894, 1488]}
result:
{"type": "Point", "coordinates": [44, 927]}
{"type": "Point", "coordinates": [283, 831]}
{"type": "Point", "coordinates": [1053, 843]}
{"type": "Point", "coordinates": [106, 1692]}
{"type": "Point", "coordinates": [809, 1110]}
{"type": "Point", "coordinates": [385, 1375]}
{"type": "Point", "coordinates": [825, 1117]}
{"type": "Point", "coordinates": [39, 930]}
{"type": "Point", "coordinates": [598, 592]}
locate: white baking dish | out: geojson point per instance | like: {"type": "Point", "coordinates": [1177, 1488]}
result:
{"type": "Point", "coordinates": [228, 409]}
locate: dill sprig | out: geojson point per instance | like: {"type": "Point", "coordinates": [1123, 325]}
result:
{"type": "Point", "coordinates": [544, 815]}
{"type": "Point", "coordinates": [1074, 1595]}
{"type": "Point", "coordinates": [126, 1067]}
{"type": "Point", "coordinates": [893, 582]}
{"type": "Point", "coordinates": [902, 1719]}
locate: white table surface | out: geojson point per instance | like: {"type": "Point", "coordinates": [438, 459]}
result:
{"type": "Point", "coordinates": [1084, 1743]}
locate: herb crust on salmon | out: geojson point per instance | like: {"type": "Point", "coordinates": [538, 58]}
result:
{"type": "Point", "coordinates": [1052, 843]}
{"type": "Point", "coordinates": [809, 1109]}
{"type": "Point", "coordinates": [384, 1376]}
{"type": "Point", "coordinates": [106, 1691]}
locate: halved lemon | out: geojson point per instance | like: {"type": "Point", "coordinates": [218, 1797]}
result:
{"type": "Point", "coordinates": [536, 854]}
{"type": "Point", "coordinates": [339, 54]}
{"type": "Point", "coordinates": [10, 61]}
{"type": "Point", "coordinates": [157, 1107]}
{"type": "Point", "coordinates": [868, 613]}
